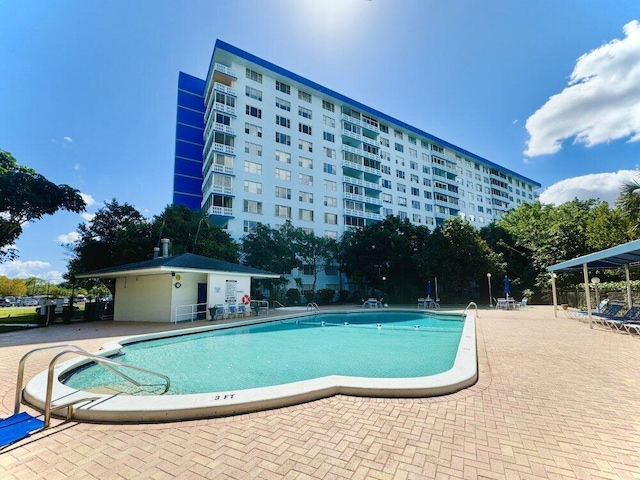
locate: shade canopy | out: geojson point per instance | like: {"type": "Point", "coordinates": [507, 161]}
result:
{"type": "Point", "coordinates": [615, 257]}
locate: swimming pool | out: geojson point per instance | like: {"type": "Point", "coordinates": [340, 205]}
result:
{"type": "Point", "coordinates": [221, 371]}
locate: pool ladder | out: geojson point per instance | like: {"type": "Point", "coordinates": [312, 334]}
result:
{"type": "Point", "coordinates": [69, 348]}
{"type": "Point", "coordinates": [469, 306]}
{"type": "Point", "coordinates": [313, 306]}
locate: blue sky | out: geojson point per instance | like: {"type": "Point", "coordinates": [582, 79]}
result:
{"type": "Point", "coordinates": [88, 90]}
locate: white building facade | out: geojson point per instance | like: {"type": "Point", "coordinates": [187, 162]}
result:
{"type": "Point", "coordinates": [276, 146]}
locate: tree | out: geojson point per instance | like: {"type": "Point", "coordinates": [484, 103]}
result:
{"type": "Point", "coordinates": [270, 249]}
{"type": "Point", "coordinates": [191, 231]}
{"type": "Point", "coordinates": [314, 252]}
{"type": "Point", "coordinates": [12, 287]}
{"type": "Point", "coordinates": [26, 196]}
{"type": "Point", "coordinates": [609, 227]}
{"type": "Point", "coordinates": [117, 235]}
{"type": "Point", "coordinates": [629, 202]}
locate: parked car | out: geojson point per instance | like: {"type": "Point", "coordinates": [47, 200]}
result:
{"type": "Point", "coordinates": [5, 302]}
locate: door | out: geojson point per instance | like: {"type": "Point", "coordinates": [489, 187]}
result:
{"type": "Point", "coordinates": [202, 301]}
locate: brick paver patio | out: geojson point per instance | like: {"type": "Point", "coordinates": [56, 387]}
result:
{"type": "Point", "coordinates": [554, 400]}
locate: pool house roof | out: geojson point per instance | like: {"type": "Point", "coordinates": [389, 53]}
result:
{"type": "Point", "coordinates": [186, 262]}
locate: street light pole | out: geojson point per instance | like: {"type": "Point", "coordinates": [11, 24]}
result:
{"type": "Point", "coordinates": [596, 281]}
{"type": "Point", "coordinates": [490, 296]}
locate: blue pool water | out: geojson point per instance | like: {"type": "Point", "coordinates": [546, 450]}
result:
{"type": "Point", "coordinates": [382, 344]}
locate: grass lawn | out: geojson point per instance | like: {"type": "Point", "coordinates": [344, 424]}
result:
{"type": "Point", "coordinates": [18, 318]}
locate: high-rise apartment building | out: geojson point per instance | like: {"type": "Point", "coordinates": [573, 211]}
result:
{"type": "Point", "coordinates": [258, 143]}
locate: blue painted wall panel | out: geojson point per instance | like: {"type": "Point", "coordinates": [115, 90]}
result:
{"type": "Point", "coordinates": [189, 100]}
{"type": "Point", "coordinates": [187, 185]}
{"type": "Point", "coordinates": [182, 199]}
{"type": "Point", "coordinates": [188, 150]}
{"type": "Point", "coordinates": [191, 83]}
{"type": "Point", "coordinates": [188, 167]}
{"type": "Point", "coordinates": [190, 134]}
{"type": "Point", "coordinates": [190, 117]}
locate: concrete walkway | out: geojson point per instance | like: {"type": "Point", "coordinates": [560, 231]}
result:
{"type": "Point", "coordinates": [555, 399]}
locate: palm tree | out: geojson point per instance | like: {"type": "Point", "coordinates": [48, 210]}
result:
{"type": "Point", "coordinates": [629, 201]}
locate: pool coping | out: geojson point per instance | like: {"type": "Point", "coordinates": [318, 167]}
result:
{"type": "Point", "coordinates": [126, 408]}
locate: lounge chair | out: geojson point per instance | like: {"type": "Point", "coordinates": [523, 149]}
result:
{"type": "Point", "coordinates": [522, 303]}
{"type": "Point", "coordinates": [501, 303]}
{"type": "Point", "coordinates": [244, 311]}
{"type": "Point", "coordinates": [617, 323]}
{"type": "Point", "coordinates": [232, 310]}
{"type": "Point", "coordinates": [421, 302]}
{"type": "Point", "coordinates": [217, 312]}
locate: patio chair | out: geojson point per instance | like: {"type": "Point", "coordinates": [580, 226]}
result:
{"type": "Point", "coordinates": [232, 310]}
{"type": "Point", "coordinates": [501, 303]}
{"type": "Point", "coordinates": [243, 311]}
{"type": "Point", "coordinates": [522, 303]}
{"type": "Point", "coordinates": [421, 302]}
{"type": "Point", "coordinates": [217, 312]}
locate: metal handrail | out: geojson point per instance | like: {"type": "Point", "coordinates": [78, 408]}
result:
{"type": "Point", "coordinates": [99, 360]}
{"type": "Point", "coordinates": [275, 302]}
{"type": "Point", "coordinates": [313, 306]}
{"type": "Point", "coordinates": [23, 361]}
{"type": "Point", "coordinates": [469, 306]}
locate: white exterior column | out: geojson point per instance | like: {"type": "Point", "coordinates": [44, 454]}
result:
{"type": "Point", "coordinates": [555, 294]}
{"type": "Point", "coordinates": [587, 293]}
{"type": "Point", "coordinates": [626, 274]}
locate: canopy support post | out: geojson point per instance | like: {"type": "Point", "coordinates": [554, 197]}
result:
{"type": "Point", "coordinates": [587, 293]}
{"type": "Point", "coordinates": [626, 274]}
{"type": "Point", "coordinates": [555, 295]}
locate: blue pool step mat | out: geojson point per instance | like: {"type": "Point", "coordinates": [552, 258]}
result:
{"type": "Point", "coordinates": [17, 427]}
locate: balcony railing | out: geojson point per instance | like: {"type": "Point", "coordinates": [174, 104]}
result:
{"type": "Point", "coordinates": [361, 214]}
{"type": "Point", "coordinates": [349, 133]}
{"type": "Point", "coordinates": [219, 147]}
{"type": "Point", "coordinates": [360, 167]}
{"type": "Point", "coordinates": [218, 67]}
{"type": "Point", "coordinates": [225, 211]}
{"type": "Point", "coordinates": [221, 189]}
{"type": "Point", "coordinates": [363, 183]}
{"type": "Point", "coordinates": [363, 198]}
{"type": "Point", "coordinates": [221, 87]}
{"type": "Point", "coordinates": [360, 123]}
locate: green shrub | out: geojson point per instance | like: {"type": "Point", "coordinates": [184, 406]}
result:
{"type": "Point", "coordinates": [293, 296]}
{"type": "Point", "coordinates": [326, 295]}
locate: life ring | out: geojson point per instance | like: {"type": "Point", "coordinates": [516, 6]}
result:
{"type": "Point", "coordinates": [246, 299]}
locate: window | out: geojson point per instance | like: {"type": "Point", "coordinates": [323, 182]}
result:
{"type": "Point", "coordinates": [252, 187]}
{"type": "Point", "coordinates": [283, 157]}
{"type": "Point", "coordinates": [306, 197]}
{"type": "Point", "coordinates": [334, 235]}
{"type": "Point", "coordinates": [253, 75]}
{"type": "Point", "coordinates": [387, 211]}
{"type": "Point", "coordinates": [414, 178]}
{"type": "Point", "coordinates": [305, 215]}
{"type": "Point", "coordinates": [330, 185]}
{"type": "Point", "coordinates": [283, 87]}
{"type": "Point", "coordinates": [330, 169]}
{"type": "Point", "coordinates": [415, 191]}
{"type": "Point", "coordinates": [399, 174]}
{"type": "Point", "coordinates": [427, 194]}
{"type": "Point", "coordinates": [328, 106]}
{"type": "Point", "coordinates": [305, 179]}
{"type": "Point", "coordinates": [428, 207]}
{"type": "Point", "coordinates": [402, 201]}
{"type": "Point", "coordinates": [329, 137]}
{"type": "Point", "coordinates": [283, 139]}
{"type": "Point", "coordinates": [254, 93]}
{"type": "Point", "coordinates": [282, 192]}
{"type": "Point", "coordinates": [386, 183]}
{"type": "Point", "coordinates": [397, 133]}
{"type": "Point", "coordinates": [306, 146]}
{"type": "Point", "coordinates": [253, 148]}
{"type": "Point", "coordinates": [331, 218]}
{"type": "Point", "coordinates": [250, 226]}
{"type": "Point", "coordinates": [225, 99]}
{"type": "Point", "coordinates": [305, 162]}
{"type": "Point", "coordinates": [304, 96]}
{"type": "Point", "coordinates": [223, 119]}
{"type": "Point", "coordinates": [329, 152]}
{"type": "Point", "coordinates": [253, 111]}
{"type": "Point", "coordinates": [283, 104]}
{"type": "Point", "coordinates": [413, 153]}
{"type": "Point", "coordinates": [283, 212]}
{"type": "Point", "coordinates": [401, 188]}
{"type": "Point", "coordinates": [384, 142]}
{"type": "Point", "coordinates": [384, 128]}
{"type": "Point", "coordinates": [282, 174]}
{"type": "Point", "coordinates": [251, 206]}
{"type": "Point", "coordinates": [306, 129]}
{"type": "Point", "coordinates": [387, 198]}
{"type": "Point", "coordinates": [385, 169]}
{"type": "Point", "coordinates": [330, 202]}
{"type": "Point", "coordinates": [412, 140]}
{"type": "Point", "coordinates": [252, 167]}
{"type": "Point", "coordinates": [426, 182]}
{"type": "Point", "coordinates": [283, 121]}
{"type": "Point", "coordinates": [426, 170]}
{"type": "Point", "coordinates": [328, 121]}
{"type": "Point", "coordinates": [305, 112]}
{"type": "Point", "coordinates": [399, 147]}
{"type": "Point", "coordinates": [251, 129]}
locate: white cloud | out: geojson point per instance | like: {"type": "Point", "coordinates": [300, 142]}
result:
{"type": "Point", "coordinates": [68, 140]}
{"type": "Point", "coordinates": [601, 102]}
{"type": "Point", "coordinates": [70, 237]}
{"type": "Point", "coordinates": [88, 199]}
{"type": "Point", "coordinates": [87, 216]}
{"type": "Point", "coordinates": [31, 268]}
{"type": "Point", "coordinates": [605, 186]}
{"type": "Point", "coordinates": [76, 166]}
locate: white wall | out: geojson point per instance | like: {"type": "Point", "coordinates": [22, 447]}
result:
{"type": "Point", "coordinates": [143, 298]}
{"type": "Point", "coordinates": [186, 295]}
{"type": "Point", "coordinates": [218, 287]}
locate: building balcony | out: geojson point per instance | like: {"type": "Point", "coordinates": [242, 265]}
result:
{"type": "Point", "coordinates": [220, 189]}
{"type": "Point", "coordinates": [218, 67]}
{"type": "Point", "coordinates": [221, 87]}
{"type": "Point", "coordinates": [224, 211]}
{"type": "Point", "coordinates": [360, 167]}
{"type": "Point", "coordinates": [363, 199]}
{"type": "Point", "coordinates": [361, 123]}
{"type": "Point", "coordinates": [228, 149]}
{"type": "Point", "coordinates": [362, 183]}
{"type": "Point", "coordinates": [350, 134]}
{"type": "Point", "coordinates": [362, 214]}
{"type": "Point", "coordinates": [222, 169]}
{"type": "Point", "coordinates": [220, 127]}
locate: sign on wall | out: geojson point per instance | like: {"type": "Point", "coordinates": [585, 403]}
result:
{"type": "Point", "coordinates": [231, 290]}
